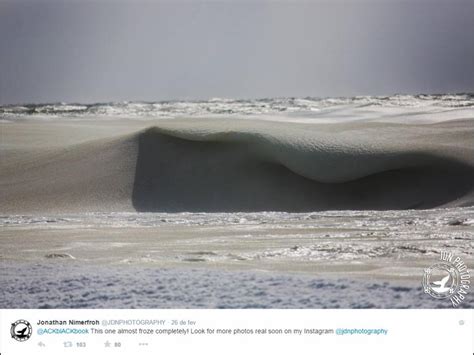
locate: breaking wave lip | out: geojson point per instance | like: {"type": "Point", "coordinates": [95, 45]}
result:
{"type": "Point", "coordinates": [258, 170]}
{"type": "Point", "coordinates": [250, 165]}
{"type": "Point", "coordinates": [232, 107]}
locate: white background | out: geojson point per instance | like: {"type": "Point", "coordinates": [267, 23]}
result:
{"type": "Point", "coordinates": [409, 331]}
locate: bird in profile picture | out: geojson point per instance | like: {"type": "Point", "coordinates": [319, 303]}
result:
{"type": "Point", "coordinates": [21, 333]}
{"type": "Point", "coordinates": [441, 285]}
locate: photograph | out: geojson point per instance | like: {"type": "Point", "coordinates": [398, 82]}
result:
{"type": "Point", "coordinates": [236, 155]}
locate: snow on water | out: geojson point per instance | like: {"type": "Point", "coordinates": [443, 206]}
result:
{"type": "Point", "coordinates": [333, 259]}
{"type": "Point", "coordinates": [342, 219]}
{"type": "Point", "coordinates": [245, 238]}
{"type": "Point", "coordinates": [71, 286]}
{"type": "Point", "coordinates": [363, 106]}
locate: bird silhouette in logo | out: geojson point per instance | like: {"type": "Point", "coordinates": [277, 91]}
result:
{"type": "Point", "coordinates": [441, 285]}
{"type": "Point", "coordinates": [21, 333]}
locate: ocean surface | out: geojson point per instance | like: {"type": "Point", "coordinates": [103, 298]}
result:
{"type": "Point", "coordinates": [333, 259]}
{"type": "Point", "coordinates": [277, 107]}
{"type": "Point", "coordinates": [280, 202]}
{"type": "Point", "coordinates": [238, 239]}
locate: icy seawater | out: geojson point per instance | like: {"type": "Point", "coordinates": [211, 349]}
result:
{"type": "Point", "coordinates": [241, 239]}
{"type": "Point", "coordinates": [365, 106]}
{"type": "Point", "coordinates": [161, 204]}
{"type": "Point", "coordinates": [334, 259]}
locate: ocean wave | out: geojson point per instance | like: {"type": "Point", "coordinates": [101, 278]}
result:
{"type": "Point", "coordinates": [211, 165]}
{"type": "Point", "coordinates": [231, 107]}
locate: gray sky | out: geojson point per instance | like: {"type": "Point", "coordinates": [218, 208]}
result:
{"type": "Point", "coordinates": [96, 51]}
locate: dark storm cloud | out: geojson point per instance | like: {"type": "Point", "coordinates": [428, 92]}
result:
{"type": "Point", "coordinates": [112, 51]}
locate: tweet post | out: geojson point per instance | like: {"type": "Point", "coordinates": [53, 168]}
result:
{"type": "Point", "coordinates": [235, 331]}
{"type": "Point", "coordinates": [236, 177]}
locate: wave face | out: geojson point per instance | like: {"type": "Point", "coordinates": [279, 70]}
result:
{"type": "Point", "coordinates": [214, 165]}
{"type": "Point", "coordinates": [308, 106]}
{"type": "Point", "coordinates": [285, 167]}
